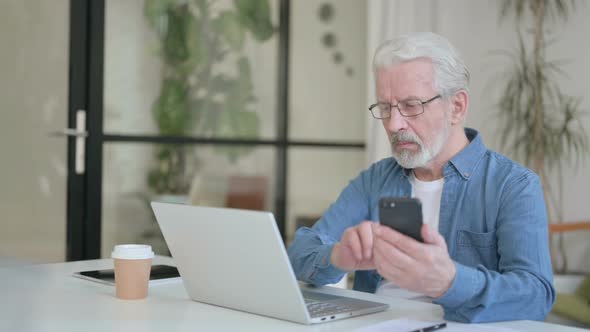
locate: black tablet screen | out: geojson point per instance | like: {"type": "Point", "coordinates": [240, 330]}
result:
{"type": "Point", "coordinates": [158, 272]}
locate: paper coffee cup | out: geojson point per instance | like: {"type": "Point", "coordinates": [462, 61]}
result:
{"type": "Point", "coordinates": [133, 263]}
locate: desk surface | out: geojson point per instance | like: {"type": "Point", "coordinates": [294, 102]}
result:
{"type": "Point", "coordinates": [47, 298]}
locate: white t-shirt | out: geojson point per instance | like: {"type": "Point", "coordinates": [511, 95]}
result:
{"type": "Point", "coordinates": [430, 194]}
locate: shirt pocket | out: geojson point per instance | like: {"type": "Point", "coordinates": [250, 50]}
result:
{"type": "Point", "coordinates": [477, 249]}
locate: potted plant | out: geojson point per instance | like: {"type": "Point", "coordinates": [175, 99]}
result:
{"type": "Point", "coordinates": [541, 125]}
{"type": "Point", "coordinates": [197, 42]}
{"type": "Point", "coordinates": [206, 85]}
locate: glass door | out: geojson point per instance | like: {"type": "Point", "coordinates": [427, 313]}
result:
{"type": "Point", "coordinates": [188, 101]}
{"type": "Point", "coordinates": [189, 110]}
{"type": "Point", "coordinates": [33, 102]}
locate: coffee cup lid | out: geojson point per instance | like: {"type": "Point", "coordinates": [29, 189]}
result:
{"type": "Point", "coordinates": [132, 251]}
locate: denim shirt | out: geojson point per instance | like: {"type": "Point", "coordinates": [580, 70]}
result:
{"type": "Point", "coordinates": [492, 217]}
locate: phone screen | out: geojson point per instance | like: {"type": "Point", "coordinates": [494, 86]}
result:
{"type": "Point", "coordinates": [157, 272]}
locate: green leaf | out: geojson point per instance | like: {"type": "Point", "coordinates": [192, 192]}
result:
{"type": "Point", "coordinates": [244, 90]}
{"type": "Point", "coordinates": [221, 83]}
{"type": "Point", "coordinates": [195, 95]}
{"type": "Point", "coordinates": [238, 124]}
{"type": "Point", "coordinates": [227, 25]}
{"type": "Point", "coordinates": [156, 12]}
{"type": "Point", "coordinates": [553, 9]}
{"type": "Point", "coordinates": [170, 109]}
{"type": "Point", "coordinates": [176, 49]}
{"type": "Point", "coordinates": [233, 153]}
{"type": "Point", "coordinates": [198, 53]}
{"type": "Point", "coordinates": [225, 127]}
{"type": "Point", "coordinates": [205, 114]}
{"type": "Point", "coordinates": [254, 15]}
{"type": "Point", "coordinates": [168, 174]}
{"type": "Point", "coordinates": [248, 124]}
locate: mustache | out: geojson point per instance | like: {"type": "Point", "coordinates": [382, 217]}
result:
{"type": "Point", "coordinates": [404, 136]}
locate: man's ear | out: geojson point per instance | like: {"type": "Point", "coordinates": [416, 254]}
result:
{"type": "Point", "coordinates": [459, 107]}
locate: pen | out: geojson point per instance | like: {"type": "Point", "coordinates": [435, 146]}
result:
{"type": "Point", "coordinates": [431, 328]}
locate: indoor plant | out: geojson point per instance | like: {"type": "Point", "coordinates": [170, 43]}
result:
{"type": "Point", "coordinates": [206, 78]}
{"type": "Point", "coordinates": [541, 125]}
{"type": "Point", "coordinates": [206, 88]}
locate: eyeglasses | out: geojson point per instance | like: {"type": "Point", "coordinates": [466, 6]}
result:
{"type": "Point", "coordinates": [407, 108]}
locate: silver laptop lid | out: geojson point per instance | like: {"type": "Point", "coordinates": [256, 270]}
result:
{"type": "Point", "coordinates": [232, 258]}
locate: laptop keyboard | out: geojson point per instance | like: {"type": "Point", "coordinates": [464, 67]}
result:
{"type": "Point", "coordinates": [318, 308]}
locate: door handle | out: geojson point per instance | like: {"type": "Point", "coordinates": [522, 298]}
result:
{"type": "Point", "coordinates": [69, 132]}
{"type": "Point", "coordinates": [80, 134]}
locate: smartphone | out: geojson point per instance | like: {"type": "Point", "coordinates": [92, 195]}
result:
{"type": "Point", "coordinates": [158, 274]}
{"type": "Point", "coordinates": [402, 214]}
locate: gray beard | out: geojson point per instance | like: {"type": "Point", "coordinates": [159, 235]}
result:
{"type": "Point", "coordinates": [409, 159]}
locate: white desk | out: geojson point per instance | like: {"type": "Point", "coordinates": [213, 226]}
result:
{"type": "Point", "coordinates": [48, 298]}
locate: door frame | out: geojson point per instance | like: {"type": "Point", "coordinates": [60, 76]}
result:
{"type": "Point", "coordinates": [86, 71]}
{"type": "Point", "coordinates": [83, 228]}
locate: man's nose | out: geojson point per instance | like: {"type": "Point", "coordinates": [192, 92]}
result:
{"type": "Point", "coordinates": [395, 122]}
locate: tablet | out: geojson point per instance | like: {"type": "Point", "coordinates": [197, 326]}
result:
{"type": "Point", "coordinates": [158, 274]}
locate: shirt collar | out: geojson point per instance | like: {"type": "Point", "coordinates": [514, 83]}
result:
{"type": "Point", "coordinates": [467, 159]}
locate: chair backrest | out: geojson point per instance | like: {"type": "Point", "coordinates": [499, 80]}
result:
{"type": "Point", "coordinates": [564, 227]}
{"type": "Point", "coordinates": [247, 192]}
{"type": "Point", "coordinates": [584, 289]}
{"type": "Point", "coordinates": [569, 227]}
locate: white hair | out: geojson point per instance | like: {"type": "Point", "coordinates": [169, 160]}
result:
{"type": "Point", "coordinates": [450, 73]}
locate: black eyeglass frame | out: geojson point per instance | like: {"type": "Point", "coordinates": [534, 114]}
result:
{"type": "Point", "coordinates": [422, 103]}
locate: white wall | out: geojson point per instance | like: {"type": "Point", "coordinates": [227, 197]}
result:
{"type": "Point", "coordinates": [33, 102]}
{"type": "Point", "coordinates": [472, 26]}
{"type": "Point", "coordinates": [325, 104]}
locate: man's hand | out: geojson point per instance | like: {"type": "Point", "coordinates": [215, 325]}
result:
{"type": "Point", "coordinates": [425, 267]}
{"type": "Point", "coordinates": [355, 249]}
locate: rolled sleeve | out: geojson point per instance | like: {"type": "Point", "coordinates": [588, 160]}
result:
{"type": "Point", "coordinates": [468, 281]}
{"type": "Point", "coordinates": [311, 259]}
{"type": "Point", "coordinates": [312, 247]}
{"type": "Point", "coordinates": [323, 271]}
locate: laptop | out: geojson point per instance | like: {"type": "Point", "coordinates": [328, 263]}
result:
{"type": "Point", "coordinates": [236, 259]}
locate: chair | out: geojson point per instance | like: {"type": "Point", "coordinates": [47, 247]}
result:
{"type": "Point", "coordinates": [234, 191]}
{"type": "Point", "coordinates": [571, 305]}
{"type": "Point", "coordinates": [564, 228]}
{"type": "Point", "coordinates": [247, 192]}
{"type": "Point", "coordinates": [575, 306]}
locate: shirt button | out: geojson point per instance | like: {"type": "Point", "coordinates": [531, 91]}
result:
{"type": "Point", "coordinates": [324, 261]}
{"type": "Point", "coordinates": [466, 175]}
